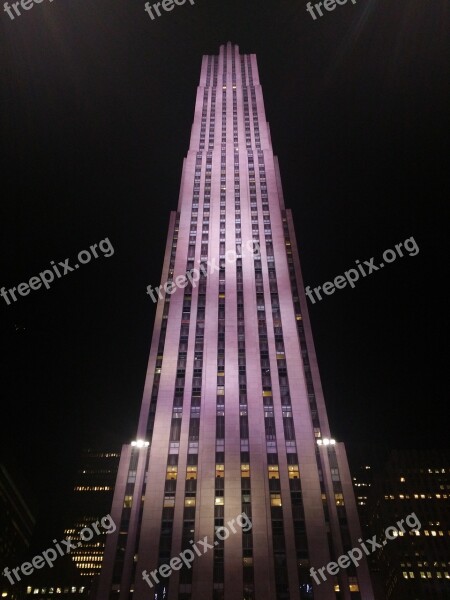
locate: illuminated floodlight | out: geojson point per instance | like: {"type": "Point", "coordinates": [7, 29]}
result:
{"type": "Point", "coordinates": [326, 442]}
{"type": "Point", "coordinates": [140, 444]}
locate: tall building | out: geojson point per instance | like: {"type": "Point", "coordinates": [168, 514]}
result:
{"type": "Point", "coordinates": [233, 426]}
{"type": "Point", "coordinates": [417, 563]}
{"type": "Point", "coordinates": [93, 493]}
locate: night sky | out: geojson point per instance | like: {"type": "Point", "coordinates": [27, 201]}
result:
{"type": "Point", "coordinates": [96, 108]}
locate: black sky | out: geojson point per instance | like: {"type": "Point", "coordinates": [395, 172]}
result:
{"type": "Point", "coordinates": [96, 108]}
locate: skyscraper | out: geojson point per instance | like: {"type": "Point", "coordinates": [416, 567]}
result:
{"type": "Point", "coordinates": [233, 421]}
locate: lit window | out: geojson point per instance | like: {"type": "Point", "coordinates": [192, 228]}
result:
{"type": "Point", "coordinates": [293, 472]}
{"type": "Point", "coordinates": [191, 472]}
{"type": "Point", "coordinates": [275, 500]}
{"type": "Point", "coordinates": [339, 498]}
{"type": "Point", "coordinates": [273, 472]}
{"type": "Point", "coordinates": [245, 470]}
{"type": "Point", "coordinates": [172, 472]}
{"type": "Point", "coordinates": [353, 584]}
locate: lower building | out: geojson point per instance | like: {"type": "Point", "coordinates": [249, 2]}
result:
{"type": "Point", "coordinates": [16, 528]}
{"type": "Point", "coordinates": [93, 494]}
{"type": "Point", "coordinates": [74, 574]}
{"type": "Point", "coordinates": [413, 487]}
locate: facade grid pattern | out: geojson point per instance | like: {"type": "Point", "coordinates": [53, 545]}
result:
{"type": "Point", "coordinates": [233, 408]}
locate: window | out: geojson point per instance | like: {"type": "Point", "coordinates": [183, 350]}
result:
{"type": "Point", "coordinates": [275, 500]}
{"type": "Point", "coordinates": [339, 498]}
{"type": "Point", "coordinates": [293, 472]}
{"type": "Point", "coordinates": [169, 501]}
{"type": "Point", "coordinates": [335, 475]}
{"type": "Point", "coordinates": [191, 472]}
{"type": "Point", "coordinates": [245, 470]}
{"type": "Point", "coordinates": [273, 471]}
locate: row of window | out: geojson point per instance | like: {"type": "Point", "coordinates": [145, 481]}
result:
{"type": "Point", "coordinates": [426, 575]}
{"type": "Point", "coordinates": [417, 497]}
{"type": "Point", "coordinates": [56, 590]}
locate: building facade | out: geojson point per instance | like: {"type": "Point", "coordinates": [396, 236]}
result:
{"type": "Point", "coordinates": [75, 574]}
{"type": "Point", "coordinates": [416, 564]}
{"type": "Point", "coordinates": [233, 428]}
{"type": "Point", "coordinates": [92, 499]}
{"type": "Point", "coordinates": [16, 529]}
